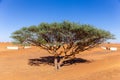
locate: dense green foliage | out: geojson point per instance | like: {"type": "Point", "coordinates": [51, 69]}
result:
{"type": "Point", "coordinates": [72, 37]}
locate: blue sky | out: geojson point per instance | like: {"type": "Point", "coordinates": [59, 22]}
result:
{"type": "Point", "coordinates": [15, 14]}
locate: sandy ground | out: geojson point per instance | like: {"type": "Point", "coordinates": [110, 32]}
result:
{"type": "Point", "coordinates": [103, 65]}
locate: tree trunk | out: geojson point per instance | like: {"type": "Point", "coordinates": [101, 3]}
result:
{"type": "Point", "coordinates": [56, 63]}
{"type": "Point", "coordinates": [59, 65]}
{"type": "Point", "coordinates": [61, 62]}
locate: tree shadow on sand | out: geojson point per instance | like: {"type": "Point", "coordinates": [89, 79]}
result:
{"type": "Point", "coordinates": [49, 60]}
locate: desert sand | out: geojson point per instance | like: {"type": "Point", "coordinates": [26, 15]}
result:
{"type": "Point", "coordinates": [96, 64]}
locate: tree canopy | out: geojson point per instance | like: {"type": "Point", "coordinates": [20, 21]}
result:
{"type": "Point", "coordinates": [71, 37]}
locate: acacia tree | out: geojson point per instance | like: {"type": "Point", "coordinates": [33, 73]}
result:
{"type": "Point", "coordinates": [20, 36]}
{"type": "Point", "coordinates": [64, 39]}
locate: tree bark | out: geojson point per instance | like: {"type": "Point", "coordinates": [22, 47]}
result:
{"type": "Point", "coordinates": [60, 63]}
{"type": "Point", "coordinates": [56, 63]}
